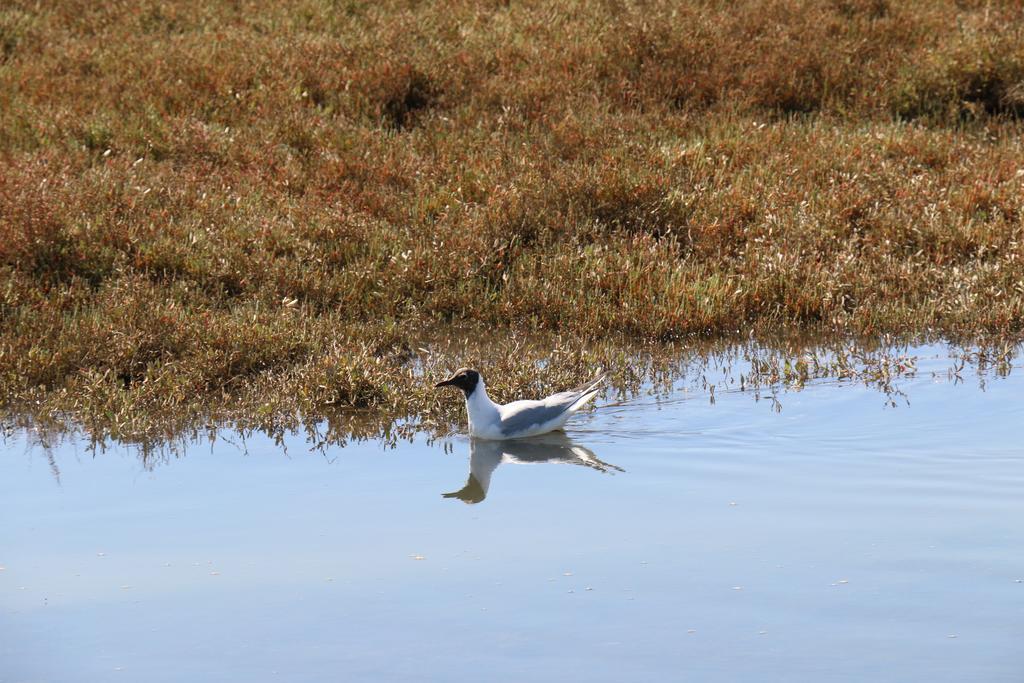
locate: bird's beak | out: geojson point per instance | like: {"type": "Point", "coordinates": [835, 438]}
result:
{"type": "Point", "coordinates": [445, 383]}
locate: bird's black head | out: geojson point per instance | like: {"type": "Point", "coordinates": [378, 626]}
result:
{"type": "Point", "coordinates": [465, 379]}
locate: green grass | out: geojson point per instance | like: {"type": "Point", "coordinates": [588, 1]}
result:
{"type": "Point", "coordinates": [256, 209]}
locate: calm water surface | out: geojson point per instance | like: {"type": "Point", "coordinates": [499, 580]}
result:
{"type": "Point", "coordinates": [672, 539]}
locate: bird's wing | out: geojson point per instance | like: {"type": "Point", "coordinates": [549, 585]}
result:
{"type": "Point", "coordinates": [519, 416]}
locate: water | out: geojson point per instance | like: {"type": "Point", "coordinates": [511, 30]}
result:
{"type": "Point", "coordinates": [837, 540]}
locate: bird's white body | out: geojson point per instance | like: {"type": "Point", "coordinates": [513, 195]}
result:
{"type": "Point", "coordinates": [521, 419]}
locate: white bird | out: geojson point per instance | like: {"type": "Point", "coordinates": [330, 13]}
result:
{"type": "Point", "coordinates": [519, 419]}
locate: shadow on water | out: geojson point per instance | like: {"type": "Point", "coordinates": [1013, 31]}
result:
{"type": "Point", "coordinates": [554, 448]}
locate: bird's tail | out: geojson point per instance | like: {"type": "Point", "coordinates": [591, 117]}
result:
{"type": "Point", "coordinates": [587, 392]}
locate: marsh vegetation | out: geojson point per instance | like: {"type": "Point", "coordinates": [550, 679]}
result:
{"type": "Point", "coordinates": [252, 209]}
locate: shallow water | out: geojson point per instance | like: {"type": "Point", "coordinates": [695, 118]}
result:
{"type": "Point", "coordinates": [840, 539]}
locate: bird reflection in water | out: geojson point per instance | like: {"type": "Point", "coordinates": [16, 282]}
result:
{"type": "Point", "coordinates": [555, 447]}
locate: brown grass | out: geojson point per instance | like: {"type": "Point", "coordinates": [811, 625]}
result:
{"type": "Point", "coordinates": [201, 203]}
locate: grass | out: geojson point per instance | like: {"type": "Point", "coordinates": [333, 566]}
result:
{"type": "Point", "coordinates": [253, 209]}
{"type": "Point", "coordinates": [404, 404]}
